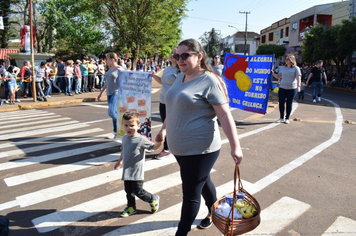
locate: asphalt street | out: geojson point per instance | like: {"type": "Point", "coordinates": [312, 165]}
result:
{"type": "Point", "coordinates": [58, 178]}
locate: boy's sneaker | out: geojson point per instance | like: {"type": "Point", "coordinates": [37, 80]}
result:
{"type": "Point", "coordinates": [17, 100]}
{"type": "Point", "coordinates": [6, 102]}
{"type": "Point", "coordinates": [128, 211]}
{"type": "Point", "coordinates": [155, 204]}
{"type": "Point", "coordinates": [163, 154]}
{"type": "Point", "coordinates": [319, 99]}
{"type": "Point", "coordinates": [314, 100]}
{"type": "Point", "coordinates": [286, 121]}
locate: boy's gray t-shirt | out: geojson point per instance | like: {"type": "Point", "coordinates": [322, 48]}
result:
{"type": "Point", "coordinates": [112, 81]}
{"type": "Point", "coordinates": [168, 77]}
{"type": "Point", "coordinates": [133, 151]}
{"type": "Point", "coordinates": [191, 122]}
{"type": "Point", "coordinates": [289, 75]}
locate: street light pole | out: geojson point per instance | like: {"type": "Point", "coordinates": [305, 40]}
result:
{"type": "Point", "coordinates": [245, 12]}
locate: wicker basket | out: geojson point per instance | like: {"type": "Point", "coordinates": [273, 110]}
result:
{"type": "Point", "coordinates": [230, 226]}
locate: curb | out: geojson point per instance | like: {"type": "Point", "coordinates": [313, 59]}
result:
{"type": "Point", "coordinates": [48, 104]}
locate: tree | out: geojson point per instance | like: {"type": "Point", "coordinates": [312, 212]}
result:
{"type": "Point", "coordinates": [145, 25]}
{"type": "Point", "coordinates": [210, 41]}
{"type": "Point", "coordinates": [6, 12]}
{"type": "Point", "coordinates": [333, 43]}
{"type": "Point", "coordinates": [267, 49]}
{"type": "Point", "coordinates": [76, 25]}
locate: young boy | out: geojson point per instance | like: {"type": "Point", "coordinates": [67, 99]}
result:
{"type": "Point", "coordinates": [302, 89]}
{"type": "Point", "coordinates": [133, 157]}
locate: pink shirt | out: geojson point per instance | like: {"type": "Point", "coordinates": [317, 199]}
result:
{"type": "Point", "coordinates": [68, 71]}
{"type": "Point", "coordinates": [78, 72]}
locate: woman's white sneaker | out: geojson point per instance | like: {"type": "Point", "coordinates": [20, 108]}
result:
{"type": "Point", "coordinates": [286, 121]}
{"type": "Point", "coordinates": [280, 120]}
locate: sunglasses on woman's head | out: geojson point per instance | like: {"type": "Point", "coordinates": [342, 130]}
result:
{"type": "Point", "coordinates": [184, 55]}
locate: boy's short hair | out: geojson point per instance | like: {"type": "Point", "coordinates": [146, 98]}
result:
{"type": "Point", "coordinates": [131, 115]}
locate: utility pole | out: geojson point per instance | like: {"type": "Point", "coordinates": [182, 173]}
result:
{"type": "Point", "coordinates": [245, 12]}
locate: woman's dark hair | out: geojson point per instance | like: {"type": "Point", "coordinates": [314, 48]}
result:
{"type": "Point", "coordinates": [194, 45]}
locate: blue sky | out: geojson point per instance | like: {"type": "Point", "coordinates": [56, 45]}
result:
{"type": "Point", "coordinates": [203, 15]}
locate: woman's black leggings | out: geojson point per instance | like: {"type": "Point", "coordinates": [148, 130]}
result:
{"type": "Point", "coordinates": [162, 113]}
{"type": "Point", "coordinates": [196, 181]}
{"type": "Point", "coordinates": [286, 96]}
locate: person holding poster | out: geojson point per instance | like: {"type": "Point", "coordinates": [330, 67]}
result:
{"type": "Point", "coordinates": [194, 102]}
{"type": "Point", "coordinates": [289, 84]}
{"type": "Point", "coordinates": [111, 86]}
{"type": "Point", "coordinates": [168, 77]}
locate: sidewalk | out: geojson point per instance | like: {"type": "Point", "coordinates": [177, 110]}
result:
{"type": "Point", "coordinates": [58, 99]}
{"type": "Point", "coordinates": [55, 100]}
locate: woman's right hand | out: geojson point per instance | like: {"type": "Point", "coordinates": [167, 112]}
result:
{"type": "Point", "coordinates": [237, 155]}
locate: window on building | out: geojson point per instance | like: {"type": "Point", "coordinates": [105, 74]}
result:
{"type": "Point", "coordinates": [281, 33]}
{"type": "Point", "coordinates": [270, 36]}
{"type": "Point", "coordinates": [264, 39]}
{"type": "Point", "coordinates": [240, 48]}
{"type": "Point", "coordinates": [294, 27]}
{"type": "Point", "coordinates": [326, 22]}
{"type": "Point", "coordinates": [287, 31]}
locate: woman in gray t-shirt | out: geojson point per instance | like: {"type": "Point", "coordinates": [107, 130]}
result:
{"type": "Point", "coordinates": [289, 84]}
{"type": "Point", "coordinates": [168, 77]}
{"type": "Point", "coordinates": [194, 102]}
{"type": "Point", "coordinates": [217, 66]}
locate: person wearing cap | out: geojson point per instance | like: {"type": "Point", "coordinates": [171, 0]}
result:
{"type": "Point", "coordinates": [78, 77]}
{"type": "Point", "coordinates": [39, 75]}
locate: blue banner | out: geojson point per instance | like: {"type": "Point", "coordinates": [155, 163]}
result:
{"type": "Point", "coordinates": [248, 80]}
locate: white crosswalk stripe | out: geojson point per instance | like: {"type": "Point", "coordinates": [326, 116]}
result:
{"type": "Point", "coordinates": [342, 227]}
{"type": "Point", "coordinates": [28, 117]}
{"type": "Point", "coordinates": [162, 223]}
{"type": "Point", "coordinates": [58, 128]}
{"type": "Point", "coordinates": [37, 127]}
{"type": "Point", "coordinates": [43, 121]}
{"type": "Point", "coordinates": [49, 138]}
{"type": "Point", "coordinates": [53, 145]}
{"type": "Point", "coordinates": [81, 211]}
{"type": "Point", "coordinates": [278, 215]}
{"type": "Point", "coordinates": [21, 113]}
{"type": "Point", "coordinates": [54, 156]}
